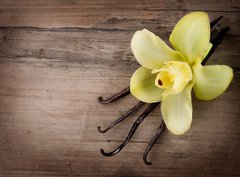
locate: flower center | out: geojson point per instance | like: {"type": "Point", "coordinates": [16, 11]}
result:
{"type": "Point", "coordinates": [173, 77]}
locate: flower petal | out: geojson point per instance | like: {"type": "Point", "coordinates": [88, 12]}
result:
{"type": "Point", "coordinates": [191, 36]}
{"type": "Point", "coordinates": [211, 81]}
{"type": "Point", "coordinates": [142, 86]}
{"type": "Point", "coordinates": [150, 51]}
{"type": "Point", "coordinates": [177, 110]}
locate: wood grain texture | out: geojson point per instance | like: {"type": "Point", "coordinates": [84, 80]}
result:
{"type": "Point", "coordinates": [108, 14]}
{"type": "Point", "coordinates": [58, 56]}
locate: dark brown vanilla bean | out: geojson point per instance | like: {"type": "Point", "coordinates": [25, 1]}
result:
{"type": "Point", "coordinates": [217, 36]}
{"type": "Point", "coordinates": [215, 22]}
{"type": "Point", "coordinates": [115, 97]}
{"type": "Point", "coordinates": [152, 142]}
{"type": "Point", "coordinates": [123, 117]}
{"type": "Point", "coordinates": [216, 39]}
{"type": "Point", "coordinates": [138, 121]}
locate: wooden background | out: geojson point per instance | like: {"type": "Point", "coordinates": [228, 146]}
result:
{"type": "Point", "coordinates": [58, 56]}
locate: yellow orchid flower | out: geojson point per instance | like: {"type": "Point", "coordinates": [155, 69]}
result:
{"type": "Point", "coordinates": [169, 75]}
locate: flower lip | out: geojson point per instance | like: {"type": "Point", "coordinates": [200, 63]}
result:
{"type": "Point", "coordinates": [164, 79]}
{"type": "Point", "coordinates": [173, 77]}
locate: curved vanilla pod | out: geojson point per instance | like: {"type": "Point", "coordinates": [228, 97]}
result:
{"type": "Point", "coordinates": [153, 140]}
{"type": "Point", "coordinates": [215, 22]}
{"type": "Point", "coordinates": [217, 36]}
{"type": "Point", "coordinates": [138, 121]}
{"type": "Point", "coordinates": [216, 39]}
{"type": "Point", "coordinates": [122, 118]}
{"type": "Point", "coordinates": [115, 97]}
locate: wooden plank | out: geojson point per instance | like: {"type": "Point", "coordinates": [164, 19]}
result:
{"type": "Point", "coordinates": [81, 46]}
{"type": "Point", "coordinates": [158, 15]}
{"type": "Point", "coordinates": [157, 5]}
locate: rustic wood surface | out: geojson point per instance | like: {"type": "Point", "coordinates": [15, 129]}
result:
{"type": "Point", "coordinates": [58, 56]}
